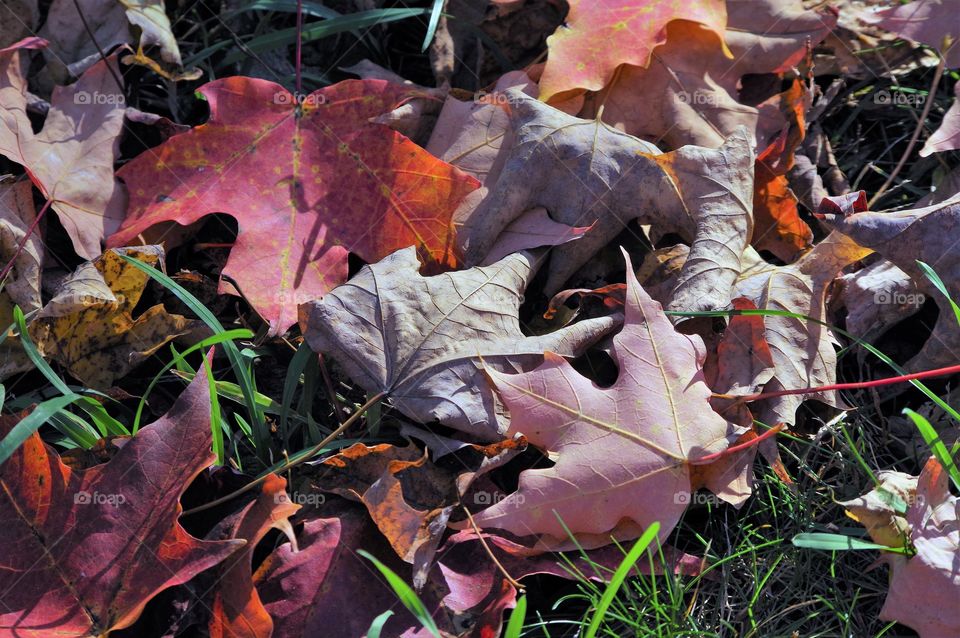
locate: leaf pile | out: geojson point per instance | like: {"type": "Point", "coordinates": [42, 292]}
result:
{"type": "Point", "coordinates": [425, 247]}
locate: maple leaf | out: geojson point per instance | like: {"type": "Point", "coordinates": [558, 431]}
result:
{"type": "Point", "coordinates": [409, 498]}
{"type": "Point", "coordinates": [688, 92]}
{"type": "Point", "coordinates": [93, 546]}
{"type": "Point", "coordinates": [600, 36]}
{"type": "Point", "coordinates": [312, 590]}
{"type": "Point", "coordinates": [932, 22]}
{"type": "Point", "coordinates": [876, 298]}
{"type": "Point", "coordinates": [71, 159]}
{"type": "Point", "coordinates": [89, 327]}
{"type": "Point", "coordinates": [419, 339]}
{"type": "Point", "coordinates": [585, 172]}
{"type": "Point", "coordinates": [236, 611]}
{"type": "Point", "coordinates": [904, 237]}
{"type": "Point", "coordinates": [878, 510]}
{"type": "Point", "coordinates": [622, 453]}
{"type": "Point", "coordinates": [296, 173]}
{"type": "Point", "coordinates": [924, 588]}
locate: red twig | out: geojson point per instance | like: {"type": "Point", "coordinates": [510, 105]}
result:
{"type": "Point", "coordinates": [23, 242]}
{"type": "Point", "coordinates": [859, 385]}
{"type": "Point", "coordinates": [710, 458]}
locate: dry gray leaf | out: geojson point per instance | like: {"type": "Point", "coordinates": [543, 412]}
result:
{"type": "Point", "coordinates": [585, 172]}
{"type": "Point", "coordinates": [420, 339]}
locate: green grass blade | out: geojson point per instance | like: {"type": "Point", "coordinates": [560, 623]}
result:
{"type": "Point", "coordinates": [376, 627]}
{"type": "Point", "coordinates": [936, 445]}
{"type": "Point", "coordinates": [216, 419]}
{"type": "Point", "coordinates": [320, 30]}
{"type": "Point", "coordinates": [619, 576]}
{"type": "Point", "coordinates": [290, 383]}
{"type": "Point", "coordinates": [517, 618]}
{"type": "Point", "coordinates": [938, 283]}
{"type": "Point", "coordinates": [435, 12]}
{"type": "Point", "coordinates": [289, 6]}
{"type": "Point", "coordinates": [406, 595]}
{"type": "Point", "coordinates": [3, 395]}
{"type": "Point", "coordinates": [32, 422]}
{"type": "Point", "coordinates": [240, 370]}
{"type": "Point", "coordinates": [838, 542]}
{"type": "Point", "coordinates": [228, 335]}
{"type": "Point", "coordinates": [104, 422]}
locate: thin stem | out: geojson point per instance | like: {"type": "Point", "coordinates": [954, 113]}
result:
{"type": "Point", "coordinates": [290, 464]}
{"type": "Point", "coordinates": [503, 570]}
{"type": "Point", "coordinates": [716, 456]}
{"type": "Point", "coordinates": [916, 134]}
{"type": "Point", "coordinates": [299, 46]}
{"type": "Point", "coordinates": [857, 385]}
{"type": "Point", "coordinates": [103, 56]}
{"type": "Point", "coordinates": [23, 242]}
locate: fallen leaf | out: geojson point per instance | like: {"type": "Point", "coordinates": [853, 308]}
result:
{"type": "Point", "coordinates": [236, 611]}
{"type": "Point", "coordinates": [410, 498]}
{"type": "Point", "coordinates": [876, 298]}
{"type": "Point", "coordinates": [599, 37]}
{"type": "Point", "coordinates": [925, 587]}
{"type": "Point", "coordinates": [947, 135]}
{"type": "Point", "coordinates": [73, 50]}
{"type": "Point", "coordinates": [584, 172]}
{"type": "Point", "coordinates": [71, 160]}
{"type": "Point", "coordinates": [883, 510]}
{"type": "Point", "coordinates": [18, 19]}
{"type": "Point", "coordinates": [420, 339]}
{"type": "Point", "coordinates": [903, 237]}
{"type": "Point", "coordinates": [313, 590]}
{"type": "Point", "coordinates": [89, 325]}
{"type": "Point", "coordinates": [22, 285]}
{"type": "Point", "coordinates": [932, 22]}
{"type": "Point", "coordinates": [688, 93]}
{"type": "Point", "coordinates": [94, 546]}
{"type": "Point", "coordinates": [289, 170]}
{"type": "Point", "coordinates": [621, 453]}
{"type": "Point", "coordinates": [803, 351]}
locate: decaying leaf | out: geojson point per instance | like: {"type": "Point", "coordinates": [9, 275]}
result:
{"type": "Point", "coordinates": [73, 50]}
{"type": "Point", "coordinates": [924, 588]}
{"type": "Point", "coordinates": [89, 325]}
{"type": "Point", "coordinates": [622, 453]}
{"type": "Point", "coordinates": [584, 172]}
{"type": "Point", "coordinates": [803, 351]}
{"type": "Point", "coordinates": [947, 135]}
{"type": "Point", "coordinates": [883, 509]}
{"type": "Point", "coordinates": [420, 339]}
{"type": "Point", "coordinates": [409, 498]}
{"type": "Point", "coordinates": [876, 298]}
{"type": "Point", "coordinates": [932, 22]}
{"type": "Point", "coordinates": [295, 173]}
{"type": "Point", "coordinates": [236, 611]}
{"type": "Point", "coordinates": [22, 284]}
{"type": "Point", "coordinates": [71, 160]}
{"type": "Point", "coordinates": [93, 546]}
{"type": "Point", "coordinates": [903, 237]}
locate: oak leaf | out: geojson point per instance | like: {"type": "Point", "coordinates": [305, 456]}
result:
{"type": "Point", "coordinates": [294, 172]}
{"type": "Point", "coordinates": [93, 547]}
{"type": "Point", "coordinates": [622, 453]}
{"type": "Point", "coordinates": [420, 339]}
